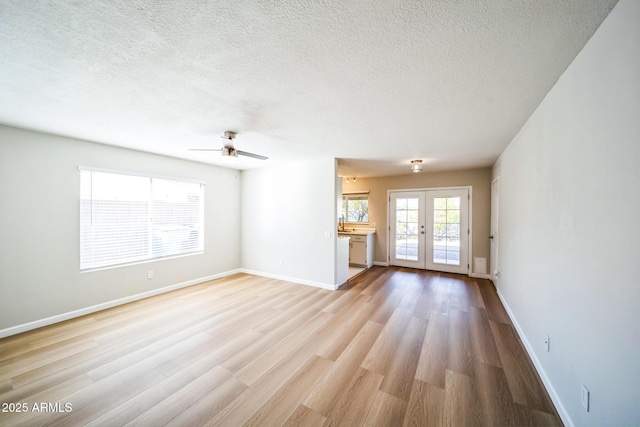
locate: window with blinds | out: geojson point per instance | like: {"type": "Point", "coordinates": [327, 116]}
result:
{"type": "Point", "coordinates": [131, 218]}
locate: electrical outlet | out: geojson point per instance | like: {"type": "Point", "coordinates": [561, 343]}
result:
{"type": "Point", "coordinates": [547, 342]}
{"type": "Point", "coordinates": [585, 397]}
{"type": "Point", "coordinates": [150, 274]}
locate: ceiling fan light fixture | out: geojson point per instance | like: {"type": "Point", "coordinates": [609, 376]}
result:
{"type": "Point", "coordinates": [229, 153]}
{"type": "Point", "coordinates": [416, 166]}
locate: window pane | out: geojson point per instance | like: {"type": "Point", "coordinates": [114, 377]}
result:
{"type": "Point", "coordinates": [412, 248]}
{"type": "Point", "coordinates": [453, 230]}
{"type": "Point", "coordinates": [406, 229]}
{"type": "Point", "coordinates": [440, 256]}
{"type": "Point", "coordinates": [175, 217]}
{"type": "Point", "coordinates": [453, 203]}
{"type": "Point", "coordinates": [113, 223]}
{"type": "Point", "coordinates": [440, 203]}
{"type": "Point", "coordinates": [125, 218]}
{"type": "Point", "coordinates": [357, 208]}
{"type": "Point", "coordinates": [453, 216]}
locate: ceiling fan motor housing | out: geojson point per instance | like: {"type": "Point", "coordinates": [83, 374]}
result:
{"type": "Point", "coordinates": [229, 152]}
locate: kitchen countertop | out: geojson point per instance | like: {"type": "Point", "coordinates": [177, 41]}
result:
{"type": "Point", "coordinates": [357, 232]}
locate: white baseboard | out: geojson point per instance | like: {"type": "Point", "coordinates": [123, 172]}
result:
{"type": "Point", "coordinates": [290, 279]}
{"type": "Point", "coordinates": [109, 304]}
{"type": "Point", "coordinates": [566, 419]}
{"type": "Point", "coordinates": [480, 276]}
{"type": "Point", "coordinates": [381, 264]}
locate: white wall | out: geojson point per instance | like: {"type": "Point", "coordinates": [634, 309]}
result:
{"type": "Point", "coordinates": [39, 226]}
{"type": "Point", "coordinates": [570, 227]}
{"type": "Point", "coordinates": [285, 212]}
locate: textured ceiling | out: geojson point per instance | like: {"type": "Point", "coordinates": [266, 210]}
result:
{"type": "Point", "coordinates": [375, 83]}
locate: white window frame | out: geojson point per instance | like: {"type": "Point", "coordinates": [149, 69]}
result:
{"type": "Point", "coordinates": [354, 196]}
{"type": "Point", "coordinates": [150, 252]}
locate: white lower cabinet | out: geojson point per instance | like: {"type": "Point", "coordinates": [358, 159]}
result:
{"type": "Point", "coordinates": [361, 250]}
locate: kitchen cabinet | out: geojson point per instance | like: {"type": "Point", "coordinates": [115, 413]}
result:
{"type": "Point", "coordinates": [361, 249]}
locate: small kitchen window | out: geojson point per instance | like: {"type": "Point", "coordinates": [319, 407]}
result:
{"type": "Point", "coordinates": [355, 208]}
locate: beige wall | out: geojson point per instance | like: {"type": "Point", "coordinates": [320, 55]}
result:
{"type": "Point", "coordinates": [478, 179]}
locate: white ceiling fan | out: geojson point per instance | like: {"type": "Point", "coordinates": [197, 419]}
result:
{"type": "Point", "coordinates": [228, 150]}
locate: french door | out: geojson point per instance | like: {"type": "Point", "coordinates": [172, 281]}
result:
{"type": "Point", "coordinates": [429, 229]}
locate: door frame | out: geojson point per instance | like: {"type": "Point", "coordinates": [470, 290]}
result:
{"type": "Point", "coordinates": [494, 246]}
{"type": "Point", "coordinates": [469, 188]}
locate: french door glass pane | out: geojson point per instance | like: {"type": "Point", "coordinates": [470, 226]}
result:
{"type": "Point", "coordinates": [446, 230]}
{"type": "Point", "coordinates": [407, 228]}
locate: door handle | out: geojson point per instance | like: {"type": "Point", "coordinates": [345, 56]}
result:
{"type": "Point", "coordinates": [491, 237]}
{"type": "Point", "coordinates": [422, 232]}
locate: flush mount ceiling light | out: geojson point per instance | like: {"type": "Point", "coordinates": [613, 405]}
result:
{"type": "Point", "coordinates": [416, 166]}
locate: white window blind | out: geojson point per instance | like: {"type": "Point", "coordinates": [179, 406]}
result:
{"type": "Point", "coordinates": [131, 218]}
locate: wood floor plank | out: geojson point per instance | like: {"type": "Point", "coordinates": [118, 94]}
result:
{"type": "Point", "coordinates": [386, 410]}
{"type": "Point", "coordinates": [92, 401]}
{"type": "Point", "coordinates": [461, 404]}
{"type": "Point", "coordinates": [205, 408]}
{"type": "Point", "coordinates": [483, 343]}
{"type": "Point", "coordinates": [56, 393]}
{"type": "Point", "coordinates": [213, 390]}
{"type": "Point", "coordinates": [385, 307]}
{"type": "Point", "coordinates": [155, 394]}
{"type": "Point", "coordinates": [459, 295]}
{"type": "Point", "coordinates": [394, 346]}
{"type": "Point", "coordinates": [284, 403]}
{"type": "Point", "coordinates": [524, 383]}
{"type": "Point", "coordinates": [345, 300]}
{"type": "Point", "coordinates": [496, 403]}
{"type": "Point", "coordinates": [344, 333]}
{"type": "Point", "coordinates": [259, 366]}
{"type": "Point", "coordinates": [306, 417]}
{"type": "Point", "coordinates": [442, 299]}
{"type": "Point", "coordinates": [383, 351]}
{"type": "Point", "coordinates": [495, 309]}
{"type": "Point", "coordinates": [355, 403]}
{"type": "Point", "coordinates": [531, 418]}
{"type": "Point", "coordinates": [326, 393]}
{"type": "Point", "coordinates": [475, 297]}
{"type": "Point", "coordinates": [210, 350]}
{"type": "Point", "coordinates": [398, 377]}
{"type": "Point", "coordinates": [432, 365]}
{"type": "Point", "coordinates": [242, 408]}
{"type": "Point", "coordinates": [425, 407]}
{"type": "Point", "coordinates": [5, 386]}
{"type": "Point", "coordinates": [283, 329]}
{"type": "Point", "coordinates": [460, 358]}
{"type": "Point", "coordinates": [426, 300]}
{"type": "Point", "coordinates": [12, 368]}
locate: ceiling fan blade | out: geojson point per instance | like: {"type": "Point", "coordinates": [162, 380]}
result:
{"type": "Point", "coordinates": [255, 156]}
{"type": "Point", "coordinates": [205, 149]}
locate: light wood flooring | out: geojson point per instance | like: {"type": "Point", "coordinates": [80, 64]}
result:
{"type": "Point", "coordinates": [392, 347]}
